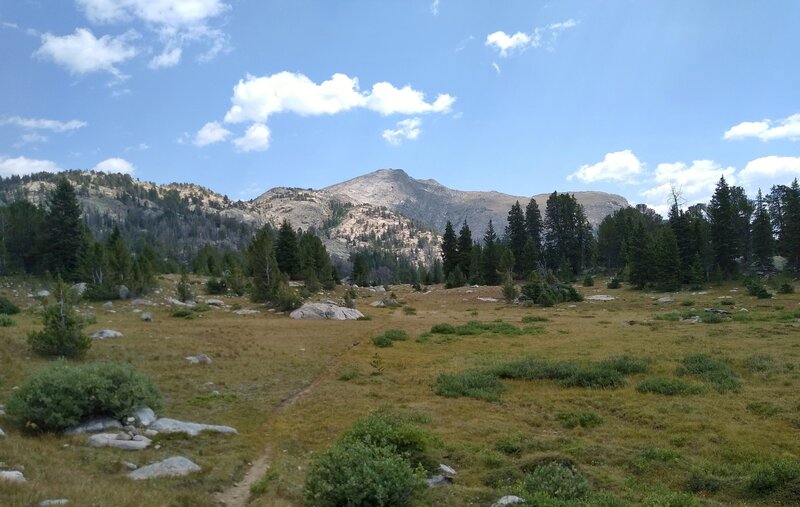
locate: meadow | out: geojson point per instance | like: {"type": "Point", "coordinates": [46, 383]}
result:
{"type": "Point", "coordinates": [647, 402]}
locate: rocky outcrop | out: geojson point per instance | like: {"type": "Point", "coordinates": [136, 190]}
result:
{"type": "Point", "coordinates": [166, 425]}
{"type": "Point", "coordinates": [177, 466]}
{"type": "Point", "coordinates": [325, 311]}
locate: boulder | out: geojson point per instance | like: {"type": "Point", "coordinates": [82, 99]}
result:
{"type": "Point", "coordinates": [147, 317]}
{"type": "Point", "coordinates": [600, 297]}
{"type": "Point", "coordinates": [215, 302]}
{"type": "Point", "coordinates": [135, 443]}
{"type": "Point", "coordinates": [94, 426]}
{"type": "Point", "coordinates": [57, 501]}
{"type": "Point", "coordinates": [79, 288]}
{"type": "Point", "coordinates": [448, 470]}
{"type": "Point", "coordinates": [106, 333]}
{"type": "Point", "coordinates": [488, 300]}
{"type": "Point", "coordinates": [12, 476]}
{"type": "Point", "coordinates": [177, 302]}
{"type": "Point", "coordinates": [508, 500]}
{"type": "Point", "coordinates": [142, 302]}
{"type": "Point", "coordinates": [124, 292]}
{"type": "Point", "coordinates": [43, 294]}
{"type": "Point", "coordinates": [2, 433]}
{"type": "Point", "coordinates": [246, 311]}
{"type": "Point", "coordinates": [665, 299]}
{"type": "Point", "coordinates": [199, 359]}
{"type": "Point", "coordinates": [145, 416]}
{"type": "Point", "coordinates": [325, 311]}
{"type": "Point", "coordinates": [166, 425]}
{"type": "Point", "coordinates": [108, 305]}
{"type": "Point", "coordinates": [177, 466]}
{"type": "Point", "coordinates": [380, 289]}
{"type": "Point", "coordinates": [438, 481]}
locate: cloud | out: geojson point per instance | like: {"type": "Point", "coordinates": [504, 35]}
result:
{"type": "Point", "coordinates": [43, 124]}
{"type": "Point", "coordinates": [767, 130]}
{"type": "Point", "coordinates": [435, 7]}
{"type": "Point", "coordinates": [496, 67]}
{"type": "Point", "coordinates": [212, 132]}
{"type": "Point", "coordinates": [114, 165]}
{"type": "Point", "coordinates": [20, 166]}
{"type": "Point", "coordinates": [256, 138]}
{"type": "Point", "coordinates": [695, 182]}
{"type": "Point", "coordinates": [83, 53]}
{"type": "Point", "coordinates": [177, 23]}
{"type": "Point", "coordinates": [406, 129]}
{"type": "Point", "coordinates": [767, 171]}
{"type": "Point", "coordinates": [256, 98]}
{"type": "Point", "coordinates": [541, 37]}
{"type": "Point", "coordinates": [616, 166]}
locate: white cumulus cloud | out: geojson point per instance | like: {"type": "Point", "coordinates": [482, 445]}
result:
{"type": "Point", "coordinates": [617, 166]}
{"type": "Point", "coordinates": [695, 182]}
{"type": "Point", "coordinates": [168, 58]}
{"type": "Point", "coordinates": [767, 171]}
{"type": "Point", "coordinates": [767, 130]}
{"type": "Point", "coordinates": [114, 165]}
{"type": "Point", "coordinates": [212, 132]}
{"type": "Point", "coordinates": [83, 53]}
{"type": "Point", "coordinates": [20, 166]}
{"type": "Point", "coordinates": [43, 123]}
{"type": "Point", "coordinates": [541, 37]}
{"type": "Point", "coordinates": [405, 129]}
{"type": "Point", "coordinates": [256, 138]}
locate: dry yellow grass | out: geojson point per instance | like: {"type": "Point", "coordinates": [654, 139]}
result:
{"type": "Point", "coordinates": [260, 361]}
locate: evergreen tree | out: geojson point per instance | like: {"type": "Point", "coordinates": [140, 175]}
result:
{"type": "Point", "coordinates": [287, 250]}
{"type": "Point", "coordinates": [534, 226]}
{"type": "Point", "coordinates": [667, 261]}
{"type": "Point", "coordinates": [639, 258]}
{"type": "Point", "coordinates": [63, 328]}
{"type": "Point", "coordinates": [21, 226]}
{"type": "Point", "coordinates": [724, 237]}
{"type": "Point", "coordinates": [449, 249]}
{"type": "Point", "coordinates": [464, 249]}
{"type": "Point", "coordinates": [790, 237]}
{"type": "Point", "coordinates": [63, 231]}
{"type": "Point", "coordinates": [263, 265]}
{"type": "Point", "coordinates": [119, 258]}
{"type": "Point", "coordinates": [360, 275]}
{"type": "Point", "coordinates": [763, 242]}
{"type": "Point", "coordinates": [476, 265]}
{"type": "Point", "coordinates": [517, 236]}
{"type": "Point", "coordinates": [567, 233]}
{"type": "Point", "coordinates": [491, 257]}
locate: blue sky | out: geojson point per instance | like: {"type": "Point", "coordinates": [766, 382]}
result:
{"type": "Point", "coordinates": [522, 97]}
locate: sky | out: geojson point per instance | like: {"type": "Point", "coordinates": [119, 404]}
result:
{"type": "Point", "coordinates": [632, 97]}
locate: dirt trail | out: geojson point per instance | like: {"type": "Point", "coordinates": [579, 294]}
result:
{"type": "Point", "coordinates": [239, 494]}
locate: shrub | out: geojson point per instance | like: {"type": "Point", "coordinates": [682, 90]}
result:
{"type": "Point", "coordinates": [60, 396]}
{"type": "Point", "coordinates": [7, 307]}
{"type": "Point", "coordinates": [528, 319]}
{"type": "Point", "coordinates": [594, 377]}
{"type": "Point", "coordinates": [357, 474]}
{"type": "Point", "coordinates": [727, 302]}
{"type": "Point", "coordinates": [535, 369]}
{"type": "Point", "coordinates": [443, 329]}
{"type": "Point", "coordinates": [759, 363]}
{"type": "Point", "coordinates": [667, 387]}
{"type": "Point", "coordinates": [478, 384]}
{"type": "Point", "coordinates": [285, 298]}
{"type": "Point", "coordinates": [63, 329]}
{"type": "Point", "coordinates": [626, 364]}
{"type": "Point", "coordinates": [786, 288]}
{"type": "Point", "coordinates": [183, 313]}
{"type": "Point", "coordinates": [383, 429]}
{"type": "Point", "coordinates": [757, 289]}
{"type": "Point", "coordinates": [183, 291]}
{"type": "Point", "coordinates": [712, 318]}
{"type": "Point", "coordinates": [613, 283]}
{"type": "Point", "coordinates": [201, 308]}
{"type": "Point", "coordinates": [216, 287]}
{"type": "Point", "coordinates": [409, 310]}
{"type": "Point", "coordinates": [583, 419]}
{"type": "Point", "coordinates": [588, 281]}
{"type": "Point", "coordinates": [382, 341]}
{"type": "Point", "coordinates": [714, 371]}
{"type": "Point", "coordinates": [511, 445]}
{"type": "Point", "coordinates": [6, 321]}
{"type": "Point", "coordinates": [779, 480]}
{"type": "Point", "coordinates": [687, 302]}
{"type": "Point", "coordinates": [510, 291]}
{"type": "Point", "coordinates": [396, 335]}
{"type": "Point", "coordinates": [763, 408]}
{"type": "Point", "coordinates": [555, 481]}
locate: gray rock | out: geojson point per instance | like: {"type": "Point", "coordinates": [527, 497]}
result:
{"type": "Point", "coordinates": [106, 333]}
{"type": "Point", "coordinates": [2, 433]}
{"type": "Point", "coordinates": [129, 465]}
{"type": "Point", "coordinates": [176, 302]}
{"type": "Point", "coordinates": [488, 300]}
{"type": "Point", "coordinates": [166, 425]}
{"type": "Point", "coordinates": [113, 440]}
{"type": "Point", "coordinates": [147, 317]}
{"type": "Point", "coordinates": [215, 302]}
{"type": "Point", "coordinates": [124, 292]}
{"type": "Point", "coordinates": [57, 501]}
{"type": "Point", "coordinates": [145, 416]}
{"type": "Point", "coordinates": [508, 500]}
{"type": "Point", "coordinates": [177, 466]}
{"type": "Point", "coordinates": [438, 480]}
{"type": "Point", "coordinates": [665, 299]}
{"type": "Point", "coordinates": [199, 359]}
{"type": "Point", "coordinates": [448, 470]}
{"type": "Point", "coordinates": [94, 426]}
{"type": "Point", "coordinates": [79, 288]}
{"type": "Point", "coordinates": [43, 294]}
{"type": "Point", "coordinates": [325, 311]}
{"type": "Point", "coordinates": [142, 302]}
{"type": "Point", "coordinates": [380, 289]}
{"type": "Point", "coordinates": [246, 311]}
{"type": "Point", "coordinates": [12, 476]}
{"type": "Point", "coordinates": [600, 297]}
{"type": "Point", "coordinates": [108, 305]}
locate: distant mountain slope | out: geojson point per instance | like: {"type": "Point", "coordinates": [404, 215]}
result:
{"type": "Point", "coordinates": [385, 209]}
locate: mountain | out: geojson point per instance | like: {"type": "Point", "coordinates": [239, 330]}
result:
{"type": "Point", "coordinates": [383, 209]}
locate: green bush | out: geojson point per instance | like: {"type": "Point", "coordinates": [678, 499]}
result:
{"type": "Point", "coordinates": [382, 341]}
{"type": "Point", "coordinates": [667, 387]}
{"type": "Point", "coordinates": [588, 281]}
{"type": "Point", "coordinates": [396, 335]}
{"type": "Point", "coordinates": [759, 363]}
{"type": "Point", "coordinates": [595, 378]}
{"type": "Point", "coordinates": [687, 302]}
{"type": "Point", "coordinates": [529, 319]}
{"type": "Point", "coordinates": [6, 321]}
{"type": "Point", "coordinates": [478, 384]}
{"type": "Point", "coordinates": [63, 330]}
{"type": "Point", "coordinates": [357, 474]}
{"type": "Point", "coordinates": [383, 429]}
{"type": "Point", "coordinates": [626, 364]}
{"type": "Point", "coordinates": [786, 288]}
{"type": "Point", "coordinates": [613, 283]}
{"type": "Point", "coordinates": [216, 287]}
{"type": "Point", "coordinates": [779, 481]}
{"type": "Point", "coordinates": [553, 481]}
{"type": "Point", "coordinates": [60, 396]}
{"type": "Point", "coordinates": [535, 369]}
{"type": "Point", "coordinates": [201, 308]}
{"type": "Point", "coordinates": [510, 291]}
{"type": "Point", "coordinates": [183, 313]}
{"type": "Point", "coordinates": [285, 298]}
{"type": "Point", "coordinates": [443, 329]}
{"type": "Point", "coordinates": [583, 419]}
{"type": "Point", "coordinates": [728, 302]}
{"type": "Point", "coordinates": [757, 289]}
{"type": "Point", "coordinates": [7, 307]}
{"type": "Point", "coordinates": [714, 371]}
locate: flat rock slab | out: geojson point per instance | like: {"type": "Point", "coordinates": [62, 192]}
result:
{"type": "Point", "coordinates": [325, 311]}
{"type": "Point", "coordinates": [166, 425]}
{"type": "Point", "coordinates": [12, 476]}
{"type": "Point", "coordinates": [246, 311]}
{"type": "Point", "coordinates": [94, 426]}
{"type": "Point", "coordinates": [488, 300]}
{"type": "Point", "coordinates": [508, 500]}
{"type": "Point", "coordinates": [600, 297]}
{"type": "Point", "coordinates": [142, 302]}
{"type": "Point", "coordinates": [177, 466]}
{"type": "Point", "coordinates": [106, 333]}
{"type": "Point", "coordinates": [665, 299]}
{"type": "Point", "coordinates": [57, 501]}
{"type": "Point", "coordinates": [111, 440]}
{"type": "Point", "coordinates": [215, 302]}
{"type": "Point", "coordinates": [199, 359]}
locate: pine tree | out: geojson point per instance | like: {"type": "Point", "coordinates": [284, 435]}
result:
{"type": "Point", "coordinates": [263, 265]}
{"type": "Point", "coordinates": [287, 250]}
{"type": "Point", "coordinates": [534, 226]}
{"type": "Point", "coordinates": [360, 275]}
{"type": "Point", "coordinates": [763, 242]}
{"type": "Point", "coordinates": [517, 236]}
{"type": "Point", "coordinates": [724, 237]}
{"type": "Point", "coordinates": [464, 249]}
{"type": "Point", "coordinates": [491, 257]}
{"type": "Point", "coordinates": [119, 258]}
{"type": "Point", "coordinates": [667, 261]}
{"type": "Point", "coordinates": [791, 234]}
{"type": "Point", "coordinates": [449, 250]}
{"type": "Point", "coordinates": [640, 258]}
{"type": "Point", "coordinates": [63, 231]}
{"type": "Point", "coordinates": [476, 265]}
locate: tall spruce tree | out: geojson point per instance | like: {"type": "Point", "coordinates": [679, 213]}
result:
{"type": "Point", "coordinates": [491, 257]}
{"type": "Point", "coordinates": [449, 249]}
{"type": "Point", "coordinates": [640, 259]}
{"type": "Point", "coordinates": [763, 242]}
{"type": "Point", "coordinates": [464, 249]}
{"type": "Point", "coordinates": [724, 233]}
{"type": "Point", "coordinates": [666, 260]}
{"type": "Point", "coordinates": [287, 251]}
{"type": "Point", "coordinates": [516, 237]}
{"type": "Point", "coordinates": [263, 266]}
{"type": "Point", "coordinates": [533, 223]}
{"type": "Point", "coordinates": [567, 233]}
{"type": "Point", "coordinates": [63, 231]}
{"type": "Point", "coordinates": [790, 237]}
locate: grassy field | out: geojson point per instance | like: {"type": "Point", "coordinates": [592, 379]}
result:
{"type": "Point", "coordinates": [704, 413]}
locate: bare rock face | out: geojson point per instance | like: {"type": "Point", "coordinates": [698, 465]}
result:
{"type": "Point", "coordinates": [177, 466]}
{"type": "Point", "coordinates": [325, 311]}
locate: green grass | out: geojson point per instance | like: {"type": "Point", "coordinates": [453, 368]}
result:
{"type": "Point", "coordinates": [478, 384]}
{"type": "Point", "coordinates": [716, 372]}
{"type": "Point", "coordinates": [530, 319]}
{"type": "Point", "coordinates": [667, 387]}
{"type": "Point", "coordinates": [579, 419]}
{"type": "Point", "coordinates": [474, 327]}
